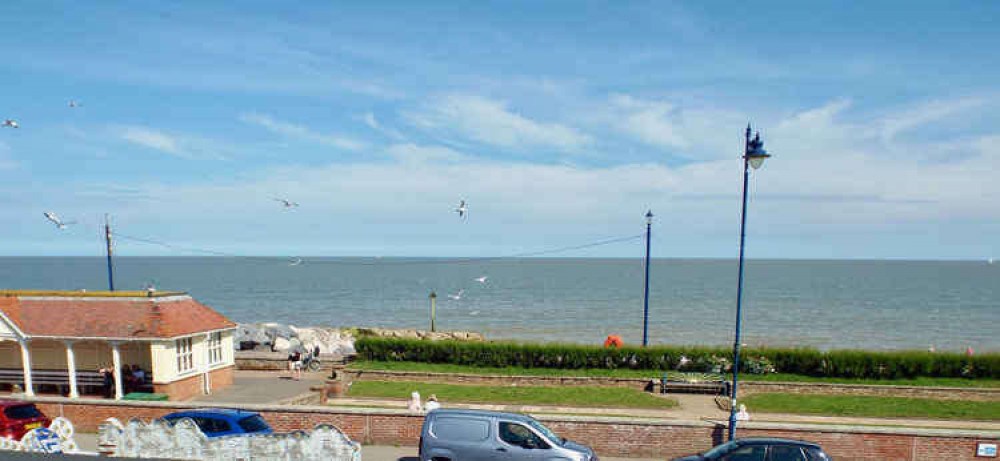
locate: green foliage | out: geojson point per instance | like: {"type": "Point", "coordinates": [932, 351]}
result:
{"type": "Point", "coordinates": [576, 396]}
{"type": "Point", "coordinates": [872, 406]}
{"type": "Point", "coordinates": [799, 361]}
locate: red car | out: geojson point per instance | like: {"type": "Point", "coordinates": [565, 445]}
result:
{"type": "Point", "coordinates": [17, 418]}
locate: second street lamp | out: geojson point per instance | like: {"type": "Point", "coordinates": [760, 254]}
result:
{"type": "Point", "coordinates": [753, 157]}
{"type": "Point", "coordinates": [645, 299]}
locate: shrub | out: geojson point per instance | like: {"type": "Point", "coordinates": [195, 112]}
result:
{"type": "Point", "coordinates": [803, 361]}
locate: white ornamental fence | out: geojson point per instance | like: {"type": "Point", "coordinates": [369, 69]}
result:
{"type": "Point", "coordinates": [183, 440]}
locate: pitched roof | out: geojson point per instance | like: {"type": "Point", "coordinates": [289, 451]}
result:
{"type": "Point", "coordinates": [103, 316]}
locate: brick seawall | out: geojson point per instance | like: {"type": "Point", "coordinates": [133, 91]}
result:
{"type": "Point", "coordinates": [626, 437]}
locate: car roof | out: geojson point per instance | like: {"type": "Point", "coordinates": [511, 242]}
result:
{"type": "Point", "coordinates": [212, 412]}
{"type": "Point", "coordinates": [13, 403]}
{"type": "Point", "coordinates": [774, 440]}
{"type": "Point", "coordinates": [481, 413]}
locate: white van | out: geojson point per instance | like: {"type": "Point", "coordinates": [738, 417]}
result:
{"type": "Point", "coordinates": [473, 435]}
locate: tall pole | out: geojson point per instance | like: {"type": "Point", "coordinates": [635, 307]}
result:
{"type": "Point", "coordinates": [433, 298]}
{"type": "Point", "coordinates": [107, 238]}
{"type": "Point", "coordinates": [645, 300]}
{"type": "Point", "coordinates": [739, 292]}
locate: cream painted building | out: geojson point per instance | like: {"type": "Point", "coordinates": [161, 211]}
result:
{"type": "Point", "coordinates": [66, 337]}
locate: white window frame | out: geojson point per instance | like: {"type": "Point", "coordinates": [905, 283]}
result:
{"type": "Point", "coordinates": [185, 355]}
{"type": "Point", "coordinates": [215, 348]}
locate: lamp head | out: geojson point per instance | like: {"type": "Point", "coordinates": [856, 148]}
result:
{"type": "Point", "coordinates": [649, 217]}
{"type": "Point", "coordinates": [433, 295]}
{"type": "Point", "coordinates": [755, 152]}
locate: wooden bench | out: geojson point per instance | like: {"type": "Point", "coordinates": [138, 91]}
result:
{"type": "Point", "coordinates": [84, 378]}
{"type": "Point", "coordinates": [694, 384]}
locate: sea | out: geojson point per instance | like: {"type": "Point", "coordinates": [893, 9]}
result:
{"type": "Point", "coordinates": [826, 304]}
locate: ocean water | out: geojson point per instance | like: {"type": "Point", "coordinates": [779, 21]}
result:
{"type": "Point", "coordinates": [825, 304]}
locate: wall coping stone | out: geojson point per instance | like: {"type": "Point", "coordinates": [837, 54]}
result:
{"type": "Point", "coordinates": [314, 409]}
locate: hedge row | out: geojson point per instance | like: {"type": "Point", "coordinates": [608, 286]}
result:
{"type": "Point", "coordinates": [802, 361]}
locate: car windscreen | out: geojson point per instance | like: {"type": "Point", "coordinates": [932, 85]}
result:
{"type": "Point", "coordinates": [254, 424]}
{"type": "Point", "coordinates": [720, 450]}
{"type": "Point", "coordinates": [546, 432]}
{"type": "Point", "coordinates": [22, 412]}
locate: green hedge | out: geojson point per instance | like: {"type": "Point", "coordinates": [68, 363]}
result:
{"type": "Point", "coordinates": [803, 361]}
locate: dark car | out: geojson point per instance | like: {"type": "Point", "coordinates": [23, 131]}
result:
{"type": "Point", "coordinates": [219, 422]}
{"type": "Point", "coordinates": [762, 449]}
{"type": "Point", "coordinates": [17, 418]}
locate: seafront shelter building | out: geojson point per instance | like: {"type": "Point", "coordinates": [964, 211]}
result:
{"type": "Point", "coordinates": [184, 347]}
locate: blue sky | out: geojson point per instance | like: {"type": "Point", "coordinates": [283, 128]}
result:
{"type": "Point", "coordinates": [560, 123]}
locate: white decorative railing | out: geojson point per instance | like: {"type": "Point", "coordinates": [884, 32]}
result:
{"type": "Point", "coordinates": [183, 440]}
{"type": "Point", "coordinates": [57, 438]}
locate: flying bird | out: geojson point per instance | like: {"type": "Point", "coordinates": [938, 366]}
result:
{"type": "Point", "coordinates": [287, 203]}
{"type": "Point", "coordinates": [75, 104]}
{"type": "Point", "coordinates": [296, 262]}
{"type": "Point", "coordinates": [10, 123]}
{"type": "Point", "coordinates": [462, 209]}
{"type": "Point", "coordinates": [457, 296]}
{"type": "Point", "coordinates": [55, 220]}
{"type": "Point", "coordinates": [481, 279]}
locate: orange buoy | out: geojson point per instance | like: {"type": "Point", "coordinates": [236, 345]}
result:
{"type": "Point", "coordinates": [614, 341]}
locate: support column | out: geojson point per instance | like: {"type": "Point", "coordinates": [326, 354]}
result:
{"type": "Point", "coordinates": [29, 389]}
{"type": "Point", "coordinates": [116, 359]}
{"type": "Point", "coordinates": [71, 370]}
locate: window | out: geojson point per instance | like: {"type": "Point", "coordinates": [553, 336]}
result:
{"type": "Point", "coordinates": [747, 453]}
{"type": "Point", "coordinates": [815, 454]}
{"type": "Point", "coordinates": [785, 453]}
{"type": "Point", "coordinates": [461, 429]}
{"type": "Point", "coordinates": [519, 435]}
{"type": "Point", "coordinates": [185, 359]}
{"type": "Point", "coordinates": [215, 348]}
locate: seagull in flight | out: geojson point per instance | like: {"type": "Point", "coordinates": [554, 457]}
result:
{"type": "Point", "coordinates": [287, 203]}
{"type": "Point", "coordinates": [73, 103]}
{"type": "Point", "coordinates": [11, 123]}
{"type": "Point", "coordinates": [296, 262]}
{"type": "Point", "coordinates": [58, 222]}
{"type": "Point", "coordinates": [481, 279]}
{"type": "Point", "coordinates": [462, 209]}
{"type": "Point", "coordinates": [457, 296]}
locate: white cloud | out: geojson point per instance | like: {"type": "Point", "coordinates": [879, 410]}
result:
{"type": "Point", "coordinates": [492, 122]}
{"type": "Point", "coordinates": [689, 131]}
{"type": "Point", "coordinates": [412, 153]}
{"type": "Point", "coordinates": [926, 113]}
{"type": "Point", "coordinates": [301, 132]}
{"type": "Point", "coordinates": [150, 138]}
{"type": "Point", "coordinates": [373, 123]}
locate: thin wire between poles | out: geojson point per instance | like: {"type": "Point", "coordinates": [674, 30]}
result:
{"type": "Point", "coordinates": [390, 263]}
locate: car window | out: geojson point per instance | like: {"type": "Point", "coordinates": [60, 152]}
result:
{"type": "Point", "coordinates": [815, 454]}
{"type": "Point", "coordinates": [785, 453]}
{"type": "Point", "coordinates": [747, 453]}
{"type": "Point", "coordinates": [520, 435]}
{"type": "Point", "coordinates": [461, 429]}
{"type": "Point", "coordinates": [211, 425]}
{"type": "Point", "coordinates": [254, 423]}
{"type": "Point", "coordinates": [22, 412]}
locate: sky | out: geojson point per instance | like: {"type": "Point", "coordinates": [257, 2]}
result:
{"type": "Point", "coordinates": [559, 123]}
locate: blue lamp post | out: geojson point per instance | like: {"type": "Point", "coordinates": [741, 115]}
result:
{"type": "Point", "coordinates": [645, 299]}
{"type": "Point", "coordinates": [753, 157]}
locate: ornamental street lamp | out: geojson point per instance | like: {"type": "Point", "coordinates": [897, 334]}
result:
{"type": "Point", "coordinates": [753, 156]}
{"type": "Point", "coordinates": [433, 298]}
{"type": "Point", "coordinates": [645, 299]}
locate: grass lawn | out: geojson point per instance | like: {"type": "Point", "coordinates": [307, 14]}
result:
{"type": "Point", "coordinates": [870, 406]}
{"type": "Point", "coordinates": [648, 374]}
{"type": "Point", "coordinates": [575, 396]}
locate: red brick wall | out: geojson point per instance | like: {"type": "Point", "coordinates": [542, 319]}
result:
{"type": "Point", "coordinates": [192, 386]}
{"type": "Point", "coordinates": [608, 436]}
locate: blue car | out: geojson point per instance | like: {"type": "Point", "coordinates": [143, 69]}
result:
{"type": "Point", "coordinates": [219, 422]}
